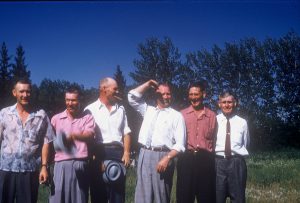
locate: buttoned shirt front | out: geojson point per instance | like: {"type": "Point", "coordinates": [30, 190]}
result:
{"type": "Point", "coordinates": [21, 145]}
{"type": "Point", "coordinates": [62, 123]}
{"type": "Point", "coordinates": [239, 135]}
{"type": "Point", "coordinates": [112, 124]}
{"type": "Point", "coordinates": [169, 128]}
{"type": "Point", "coordinates": [201, 131]}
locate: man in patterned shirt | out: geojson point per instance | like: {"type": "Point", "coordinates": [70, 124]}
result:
{"type": "Point", "coordinates": [25, 137]}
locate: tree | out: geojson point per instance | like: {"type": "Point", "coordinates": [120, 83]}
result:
{"type": "Point", "coordinates": [160, 60]}
{"type": "Point", "coordinates": [5, 76]}
{"type": "Point", "coordinates": [19, 69]}
{"type": "Point", "coordinates": [119, 77]}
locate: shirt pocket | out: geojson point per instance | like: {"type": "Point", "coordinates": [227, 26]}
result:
{"type": "Point", "coordinates": [33, 136]}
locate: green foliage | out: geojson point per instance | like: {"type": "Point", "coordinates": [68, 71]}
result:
{"type": "Point", "coordinates": [5, 76]}
{"type": "Point", "coordinates": [273, 176]}
{"type": "Point", "coordinates": [51, 95]}
{"type": "Point", "coordinates": [160, 60]}
{"type": "Point", "coordinates": [119, 77]}
{"type": "Point", "coordinates": [19, 68]}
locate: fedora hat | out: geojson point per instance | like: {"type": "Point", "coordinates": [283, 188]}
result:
{"type": "Point", "coordinates": [114, 171]}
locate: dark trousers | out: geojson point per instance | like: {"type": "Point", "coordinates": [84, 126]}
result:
{"type": "Point", "coordinates": [19, 186]}
{"type": "Point", "coordinates": [102, 192]}
{"type": "Point", "coordinates": [196, 177]}
{"type": "Point", "coordinates": [231, 179]}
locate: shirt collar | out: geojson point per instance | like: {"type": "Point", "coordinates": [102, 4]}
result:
{"type": "Point", "coordinates": [223, 117]}
{"type": "Point", "coordinates": [101, 105]}
{"type": "Point", "coordinates": [13, 110]}
{"type": "Point", "coordinates": [63, 115]}
{"type": "Point", "coordinates": [191, 110]}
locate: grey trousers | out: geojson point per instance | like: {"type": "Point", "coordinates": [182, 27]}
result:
{"type": "Point", "coordinates": [231, 179]}
{"type": "Point", "coordinates": [151, 185]}
{"type": "Point", "coordinates": [71, 182]}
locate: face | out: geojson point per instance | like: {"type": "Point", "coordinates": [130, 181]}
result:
{"type": "Point", "coordinates": [22, 93]}
{"type": "Point", "coordinates": [112, 91]}
{"type": "Point", "coordinates": [196, 96]}
{"type": "Point", "coordinates": [72, 103]}
{"type": "Point", "coordinates": [227, 105]}
{"type": "Point", "coordinates": [164, 96]}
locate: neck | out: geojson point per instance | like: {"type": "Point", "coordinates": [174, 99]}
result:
{"type": "Point", "coordinates": [105, 101]}
{"type": "Point", "coordinates": [23, 109]}
{"type": "Point", "coordinates": [199, 107]}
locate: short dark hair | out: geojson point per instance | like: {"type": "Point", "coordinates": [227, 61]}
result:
{"type": "Point", "coordinates": [165, 84]}
{"type": "Point", "coordinates": [227, 93]}
{"type": "Point", "coordinates": [202, 84]}
{"type": "Point", "coordinates": [22, 81]}
{"type": "Point", "coordinates": [74, 89]}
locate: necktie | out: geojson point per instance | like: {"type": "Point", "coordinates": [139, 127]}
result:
{"type": "Point", "coordinates": [227, 140]}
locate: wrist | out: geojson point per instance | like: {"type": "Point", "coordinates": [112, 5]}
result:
{"type": "Point", "coordinates": [169, 156]}
{"type": "Point", "coordinates": [44, 166]}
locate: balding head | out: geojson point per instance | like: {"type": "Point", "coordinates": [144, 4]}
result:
{"type": "Point", "coordinates": [109, 90]}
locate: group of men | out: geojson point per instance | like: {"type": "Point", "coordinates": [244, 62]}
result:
{"type": "Point", "coordinates": [88, 141]}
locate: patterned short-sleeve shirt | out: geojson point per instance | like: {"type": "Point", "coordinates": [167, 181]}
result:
{"type": "Point", "coordinates": [21, 146]}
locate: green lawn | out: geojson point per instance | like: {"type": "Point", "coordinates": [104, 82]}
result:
{"type": "Point", "coordinates": [272, 177]}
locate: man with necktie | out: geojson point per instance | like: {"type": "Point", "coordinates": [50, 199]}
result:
{"type": "Point", "coordinates": [231, 148]}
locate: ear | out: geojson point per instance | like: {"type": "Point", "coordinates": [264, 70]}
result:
{"type": "Point", "coordinates": [14, 92]}
{"type": "Point", "coordinates": [219, 104]}
{"type": "Point", "coordinates": [204, 94]}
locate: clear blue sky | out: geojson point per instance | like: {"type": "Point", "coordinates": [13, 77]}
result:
{"type": "Point", "coordinates": [85, 41]}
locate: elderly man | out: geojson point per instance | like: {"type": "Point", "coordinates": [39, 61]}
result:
{"type": "Point", "coordinates": [112, 123]}
{"type": "Point", "coordinates": [74, 130]}
{"type": "Point", "coordinates": [196, 166]}
{"type": "Point", "coordinates": [25, 134]}
{"type": "Point", "coordinates": [162, 137]}
{"type": "Point", "coordinates": [232, 141]}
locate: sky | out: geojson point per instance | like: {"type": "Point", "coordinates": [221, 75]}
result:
{"type": "Point", "coordinates": [84, 41]}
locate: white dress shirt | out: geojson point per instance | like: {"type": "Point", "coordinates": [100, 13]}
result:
{"type": "Point", "coordinates": [239, 135]}
{"type": "Point", "coordinates": [113, 124]}
{"type": "Point", "coordinates": [167, 130]}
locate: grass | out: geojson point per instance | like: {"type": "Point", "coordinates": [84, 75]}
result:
{"type": "Point", "coordinates": [272, 177]}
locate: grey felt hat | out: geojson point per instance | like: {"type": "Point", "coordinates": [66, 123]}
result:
{"type": "Point", "coordinates": [114, 171]}
{"type": "Point", "coordinates": [60, 144]}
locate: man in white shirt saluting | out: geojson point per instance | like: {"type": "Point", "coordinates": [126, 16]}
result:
{"type": "Point", "coordinates": [162, 136]}
{"type": "Point", "coordinates": [232, 140]}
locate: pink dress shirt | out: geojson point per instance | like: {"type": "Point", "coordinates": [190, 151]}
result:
{"type": "Point", "coordinates": [201, 132]}
{"type": "Point", "coordinates": [62, 123]}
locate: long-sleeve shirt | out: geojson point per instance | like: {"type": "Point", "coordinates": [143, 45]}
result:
{"type": "Point", "coordinates": [165, 126]}
{"type": "Point", "coordinates": [201, 131]}
{"type": "Point", "coordinates": [239, 135]}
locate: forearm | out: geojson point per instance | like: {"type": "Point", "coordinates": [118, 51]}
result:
{"type": "Point", "coordinates": [145, 86]}
{"type": "Point", "coordinates": [127, 143]}
{"type": "Point", "coordinates": [45, 154]}
{"type": "Point", "coordinates": [84, 136]}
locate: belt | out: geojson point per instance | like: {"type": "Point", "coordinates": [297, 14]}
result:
{"type": "Point", "coordinates": [229, 157]}
{"type": "Point", "coordinates": [112, 145]}
{"type": "Point", "coordinates": [157, 149]}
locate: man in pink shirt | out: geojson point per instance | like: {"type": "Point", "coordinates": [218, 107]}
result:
{"type": "Point", "coordinates": [196, 166]}
{"type": "Point", "coordinates": [74, 130]}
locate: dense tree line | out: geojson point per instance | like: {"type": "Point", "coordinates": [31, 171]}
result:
{"type": "Point", "coordinates": [263, 74]}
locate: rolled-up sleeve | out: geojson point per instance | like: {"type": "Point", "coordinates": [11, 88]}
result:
{"type": "Point", "coordinates": [49, 131]}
